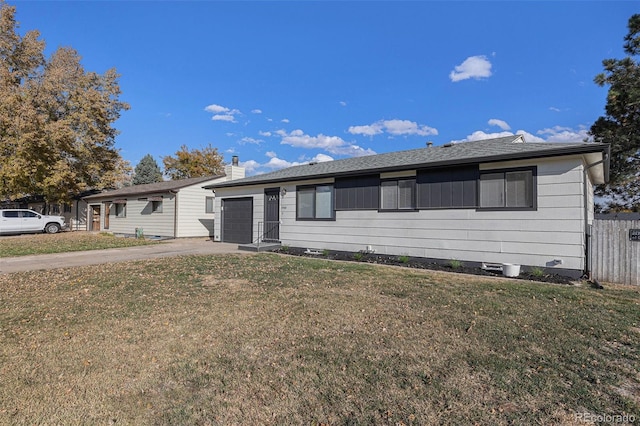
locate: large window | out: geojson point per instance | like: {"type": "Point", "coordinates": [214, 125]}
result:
{"type": "Point", "coordinates": [315, 202]}
{"type": "Point", "coordinates": [398, 194]}
{"type": "Point", "coordinates": [508, 189]}
{"type": "Point", "coordinates": [448, 188]}
{"type": "Point", "coordinates": [358, 193]}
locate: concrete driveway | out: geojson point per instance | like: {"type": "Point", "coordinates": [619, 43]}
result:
{"type": "Point", "coordinates": [169, 248]}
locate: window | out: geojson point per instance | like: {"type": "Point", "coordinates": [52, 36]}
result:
{"type": "Point", "coordinates": [10, 214]}
{"type": "Point", "coordinates": [358, 193]}
{"type": "Point", "coordinates": [448, 188]}
{"type": "Point", "coordinates": [314, 202]}
{"type": "Point", "coordinates": [156, 206]}
{"type": "Point", "coordinates": [121, 209]}
{"type": "Point", "coordinates": [398, 194]}
{"type": "Point", "coordinates": [509, 189]}
{"type": "Point", "coordinates": [208, 204]}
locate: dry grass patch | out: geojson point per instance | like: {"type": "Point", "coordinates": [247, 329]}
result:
{"type": "Point", "coordinates": [272, 339]}
{"type": "Point", "coordinates": [23, 245]}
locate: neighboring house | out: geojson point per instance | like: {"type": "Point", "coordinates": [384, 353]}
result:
{"type": "Point", "coordinates": [170, 209]}
{"type": "Point", "coordinates": [493, 201]}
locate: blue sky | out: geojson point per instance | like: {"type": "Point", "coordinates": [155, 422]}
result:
{"type": "Point", "coordinates": [280, 83]}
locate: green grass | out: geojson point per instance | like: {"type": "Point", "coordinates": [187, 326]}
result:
{"type": "Point", "coordinates": [455, 264]}
{"type": "Point", "coordinates": [270, 339]}
{"type": "Point", "coordinates": [24, 245]}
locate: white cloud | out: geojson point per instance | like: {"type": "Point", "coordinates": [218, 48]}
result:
{"type": "Point", "coordinates": [370, 130]}
{"type": "Point", "coordinates": [406, 127]}
{"type": "Point", "coordinates": [265, 134]}
{"type": "Point", "coordinates": [253, 167]}
{"type": "Point", "coordinates": [500, 123]}
{"type": "Point", "coordinates": [393, 127]}
{"type": "Point", "coordinates": [473, 67]}
{"type": "Point", "coordinates": [285, 120]}
{"type": "Point", "coordinates": [250, 166]}
{"type": "Point", "coordinates": [480, 135]}
{"type": "Point", "coordinates": [256, 111]}
{"type": "Point", "coordinates": [223, 117]}
{"type": "Point", "coordinates": [332, 144]}
{"type": "Point", "coordinates": [565, 134]}
{"type": "Point", "coordinates": [298, 139]}
{"type": "Point", "coordinates": [222, 113]}
{"type": "Point", "coordinates": [216, 109]}
{"type": "Point", "coordinates": [321, 158]}
{"type": "Point", "coordinates": [343, 103]}
{"type": "Point", "coordinates": [553, 134]}
{"type": "Point", "coordinates": [250, 140]}
{"type": "Point", "coordinates": [352, 151]}
{"type": "Point", "coordinates": [554, 109]}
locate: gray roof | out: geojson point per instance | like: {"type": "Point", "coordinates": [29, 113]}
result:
{"type": "Point", "coordinates": [499, 149]}
{"type": "Point", "coordinates": [153, 188]}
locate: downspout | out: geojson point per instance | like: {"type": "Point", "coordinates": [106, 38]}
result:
{"type": "Point", "coordinates": [175, 214]}
{"type": "Point", "coordinates": [587, 228]}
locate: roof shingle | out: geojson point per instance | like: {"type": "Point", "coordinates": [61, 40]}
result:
{"type": "Point", "coordinates": [498, 149]}
{"type": "Point", "coordinates": [149, 188]}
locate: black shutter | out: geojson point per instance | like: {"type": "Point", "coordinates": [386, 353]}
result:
{"type": "Point", "coordinates": [357, 193]}
{"type": "Point", "coordinates": [454, 187]}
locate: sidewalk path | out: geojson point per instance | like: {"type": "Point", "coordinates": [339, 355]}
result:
{"type": "Point", "coordinates": [169, 248]}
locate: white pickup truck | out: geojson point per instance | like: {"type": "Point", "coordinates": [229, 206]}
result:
{"type": "Point", "coordinates": [22, 221]}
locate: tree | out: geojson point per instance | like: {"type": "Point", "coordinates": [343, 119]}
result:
{"type": "Point", "coordinates": [147, 171]}
{"type": "Point", "coordinates": [56, 134]}
{"type": "Point", "coordinates": [194, 163]}
{"type": "Point", "coordinates": [620, 127]}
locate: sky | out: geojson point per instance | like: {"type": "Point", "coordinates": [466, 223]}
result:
{"type": "Point", "coordinates": [288, 82]}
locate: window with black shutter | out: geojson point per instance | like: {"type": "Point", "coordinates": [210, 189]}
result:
{"type": "Point", "coordinates": [447, 188]}
{"type": "Point", "coordinates": [357, 193]}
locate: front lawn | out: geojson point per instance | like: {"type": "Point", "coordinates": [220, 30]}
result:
{"type": "Point", "coordinates": [23, 245]}
{"type": "Point", "coordinates": [270, 339]}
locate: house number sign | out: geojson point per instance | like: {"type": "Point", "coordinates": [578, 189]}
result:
{"type": "Point", "coordinates": [634, 234]}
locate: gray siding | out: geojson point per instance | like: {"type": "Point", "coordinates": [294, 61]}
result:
{"type": "Point", "coordinates": [555, 231]}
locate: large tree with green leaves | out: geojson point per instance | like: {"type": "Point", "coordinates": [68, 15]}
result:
{"type": "Point", "coordinates": [620, 126]}
{"type": "Point", "coordinates": [147, 171]}
{"type": "Point", "coordinates": [56, 119]}
{"type": "Point", "coordinates": [194, 163]}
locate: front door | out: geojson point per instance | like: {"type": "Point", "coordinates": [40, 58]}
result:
{"type": "Point", "coordinates": [271, 215]}
{"type": "Point", "coordinates": [95, 218]}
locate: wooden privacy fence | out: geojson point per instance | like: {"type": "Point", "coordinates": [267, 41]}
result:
{"type": "Point", "coordinates": [615, 251]}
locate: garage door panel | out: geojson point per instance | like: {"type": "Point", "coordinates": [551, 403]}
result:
{"type": "Point", "coordinates": [237, 220]}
